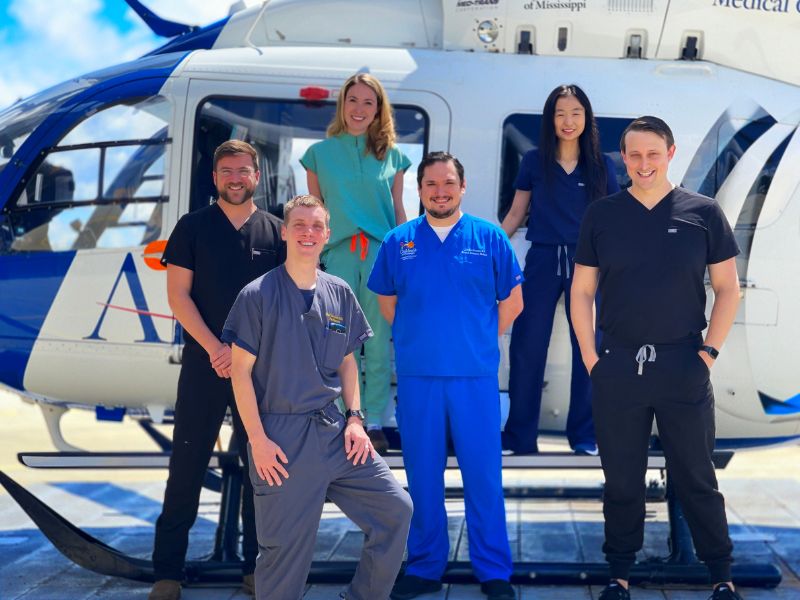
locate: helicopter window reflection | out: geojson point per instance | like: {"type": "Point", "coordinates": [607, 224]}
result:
{"type": "Point", "coordinates": [282, 131]}
{"type": "Point", "coordinates": [102, 186]}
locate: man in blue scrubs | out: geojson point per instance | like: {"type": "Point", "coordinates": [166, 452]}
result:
{"type": "Point", "coordinates": [449, 283]}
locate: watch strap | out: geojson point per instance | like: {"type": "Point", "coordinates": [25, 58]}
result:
{"type": "Point", "coordinates": [711, 351]}
{"type": "Point", "coordinates": [355, 413]}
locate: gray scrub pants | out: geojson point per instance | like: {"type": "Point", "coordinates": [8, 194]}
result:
{"type": "Point", "coordinates": [287, 516]}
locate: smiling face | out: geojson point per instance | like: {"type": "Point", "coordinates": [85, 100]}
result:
{"type": "Point", "coordinates": [441, 191]}
{"type": "Point", "coordinates": [359, 108]}
{"type": "Point", "coordinates": [236, 178]}
{"type": "Point", "coordinates": [646, 157]}
{"type": "Point", "coordinates": [569, 119]}
{"type": "Point", "coordinates": [305, 232]}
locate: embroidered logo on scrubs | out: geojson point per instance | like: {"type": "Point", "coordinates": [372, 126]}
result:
{"type": "Point", "coordinates": [408, 250]}
{"type": "Point", "coordinates": [672, 230]}
{"type": "Point", "coordinates": [335, 323]}
{"type": "Point", "coordinates": [474, 251]}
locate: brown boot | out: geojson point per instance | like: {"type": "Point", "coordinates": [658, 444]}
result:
{"type": "Point", "coordinates": [165, 589]}
{"type": "Point", "coordinates": [379, 441]}
{"type": "Point", "coordinates": [249, 584]}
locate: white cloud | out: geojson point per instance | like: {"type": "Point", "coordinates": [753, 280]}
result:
{"type": "Point", "coordinates": [66, 39]}
{"type": "Point", "coordinates": [191, 11]}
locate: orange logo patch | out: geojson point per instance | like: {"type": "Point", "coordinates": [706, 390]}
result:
{"type": "Point", "coordinates": [152, 255]}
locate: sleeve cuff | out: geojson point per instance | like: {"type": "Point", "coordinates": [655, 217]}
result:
{"type": "Point", "coordinates": [359, 341]}
{"type": "Point", "coordinates": [229, 337]}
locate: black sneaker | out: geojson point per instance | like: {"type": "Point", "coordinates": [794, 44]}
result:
{"type": "Point", "coordinates": [724, 592]}
{"type": "Point", "coordinates": [498, 589]}
{"type": "Point", "coordinates": [614, 591]}
{"type": "Point", "coordinates": [411, 586]}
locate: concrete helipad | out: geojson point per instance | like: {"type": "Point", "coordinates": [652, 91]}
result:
{"type": "Point", "coordinates": [762, 489]}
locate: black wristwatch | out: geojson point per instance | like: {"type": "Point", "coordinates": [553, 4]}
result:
{"type": "Point", "coordinates": [711, 351]}
{"type": "Point", "coordinates": [355, 413]}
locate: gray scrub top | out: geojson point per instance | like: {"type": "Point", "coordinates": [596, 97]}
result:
{"type": "Point", "coordinates": [297, 352]}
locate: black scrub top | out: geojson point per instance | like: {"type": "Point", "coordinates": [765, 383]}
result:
{"type": "Point", "coordinates": [223, 259]}
{"type": "Point", "coordinates": [298, 350]}
{"type": "Point", "coordinates": [652, 263]}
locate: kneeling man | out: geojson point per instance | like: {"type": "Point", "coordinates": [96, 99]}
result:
{"type": "Point", "coordinates": [293, 333]}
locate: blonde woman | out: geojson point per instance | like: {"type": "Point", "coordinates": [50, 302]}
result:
{"type": "Point", "coordinates": [358, 172]}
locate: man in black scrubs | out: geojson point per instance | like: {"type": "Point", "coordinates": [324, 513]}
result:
{"type": "Point", "coordinates": [646, 250]}
{"type": "Point", "coordinates": [211, 255]}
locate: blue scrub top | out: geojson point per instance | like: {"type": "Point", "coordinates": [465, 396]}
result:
{"type": "Point", "coordinates": [557, 209]}
{"type": "Point", "coordinates": [445, 323]}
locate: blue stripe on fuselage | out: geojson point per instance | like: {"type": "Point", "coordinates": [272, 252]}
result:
{"type": "Point", "coordinates": [28, 287]}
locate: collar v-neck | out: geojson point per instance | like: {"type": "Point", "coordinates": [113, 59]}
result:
{"type": "Point", "coordinates": [665, 200]}
{"type": "Point", "coordinates": [297, 294]}
{"type": "Point", "coordinates": [454, 232]}
{"type": "Point", "coordinates": [228, 221]}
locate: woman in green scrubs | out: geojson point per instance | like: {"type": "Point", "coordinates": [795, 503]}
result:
{"type": "Point", "coordinates": [358, 172]}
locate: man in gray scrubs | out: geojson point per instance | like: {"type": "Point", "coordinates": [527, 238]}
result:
{"type": "Point", "coordinates": [293, 334]}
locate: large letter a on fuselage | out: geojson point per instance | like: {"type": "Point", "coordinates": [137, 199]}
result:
{"type": "Point", "coordinates": [132, 277]}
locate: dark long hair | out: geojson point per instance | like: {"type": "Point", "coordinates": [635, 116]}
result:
{"type": "Point", "coordinates": [590, 158]}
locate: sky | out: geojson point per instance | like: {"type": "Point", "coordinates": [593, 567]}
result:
{"type": "Point", "coordinates": [45, 42]}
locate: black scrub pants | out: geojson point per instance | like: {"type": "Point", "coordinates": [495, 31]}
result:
{"type": "Point", "coordinates": [203, 398]}
{"type": "Point", "coordinates": [631, 385]}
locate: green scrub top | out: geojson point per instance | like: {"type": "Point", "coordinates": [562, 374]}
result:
{"type": "Point", "coordinates": [356, 187]}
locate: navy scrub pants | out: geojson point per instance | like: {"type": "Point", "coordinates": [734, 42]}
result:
{"type": "Point", "coordinates": [671, 383]}
{"type": "Point", "coordinates": [469, 408]}
{"type": "Point", "coordinates": [203, 399]}
{"type": "Point", "coordinates": [287, 516]}
{"type": "Point", "coordinates": [548, 275]}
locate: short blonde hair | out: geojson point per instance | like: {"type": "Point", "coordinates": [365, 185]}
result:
{"type": "Point", "coordinates": [307, 201]}
{"type": "Point", "coordinates": [380, 133]}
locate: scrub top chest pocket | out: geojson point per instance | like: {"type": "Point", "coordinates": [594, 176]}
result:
{"type": "Point", "coordinates": [334, 342]}
{"type": "Point", "coordinates": [476, 271]}
{"type": "Point", "coordinates": [264, 256]}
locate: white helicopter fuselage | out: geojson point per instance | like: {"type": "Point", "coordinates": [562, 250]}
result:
{"type": "Point", "coordinates": [106, 336]}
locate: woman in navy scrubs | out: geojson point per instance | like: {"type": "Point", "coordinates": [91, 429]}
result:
{"type": "Point", "coordinates": [557, 181]}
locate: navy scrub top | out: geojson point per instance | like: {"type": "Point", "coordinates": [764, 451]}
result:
{"type": "Point", "coordinates": [298, 351]}
{"type": "Point", "coordinates": [557, 209]}
{"type": "Point", "coordinates": [652, 263]}
{"type": "Point", "coordinates": [445, 322]}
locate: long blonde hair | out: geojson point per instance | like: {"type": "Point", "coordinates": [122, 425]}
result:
{"type": "Point", "coordinates": [380, 133]}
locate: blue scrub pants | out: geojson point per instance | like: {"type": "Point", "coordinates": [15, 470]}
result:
{"type": "Point", "coordinates": [469, 408]}
{"type": "Point", "coordinates": [548, 274]}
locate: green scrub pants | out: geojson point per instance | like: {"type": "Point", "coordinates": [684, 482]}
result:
{"type": "Point", "coordinates": [352, 260]}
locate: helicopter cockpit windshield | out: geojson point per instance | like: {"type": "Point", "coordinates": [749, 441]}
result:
{"type": "Point", "coordinates": [101, 186]}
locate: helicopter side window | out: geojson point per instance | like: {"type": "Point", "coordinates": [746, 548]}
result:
{"type": "Point", "coordinates": [521, 134]}
{"type": "Point", "coordinates": [281, 131]}
{"type": "Point", "coordinates": [102, 186]}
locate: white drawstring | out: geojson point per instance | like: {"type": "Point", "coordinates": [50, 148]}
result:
{"type": "Point", "coordinates": [566, 260]}
{"type": "Point", "coordinates": [642, 356]}
{"type": "Point", "coordinates": [558, 268]}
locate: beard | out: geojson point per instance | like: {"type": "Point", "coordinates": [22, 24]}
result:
{"type": "Point", "coordinates": [247, 193]}
{"type": "Point", "coordinates": [442, 213]}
